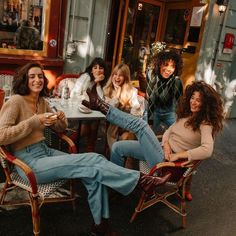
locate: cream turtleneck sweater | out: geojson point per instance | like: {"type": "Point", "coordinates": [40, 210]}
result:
{"type": "Point", "coordinates": [19, 123]}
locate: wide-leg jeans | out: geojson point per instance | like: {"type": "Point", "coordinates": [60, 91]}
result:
{"type": "Point", "coordinates": [166, 116]}
{"type": "Point", "coordinates": [94, 170]}
{"type": "Point", "coordinates": [147, 147]}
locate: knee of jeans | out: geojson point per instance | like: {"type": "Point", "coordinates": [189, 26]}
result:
{"type": "Point", "coordinates": [115, 151]}
{"type": "Point", "coordinates": [115, 147]}
{"type": "Point", "coordinates": [143, 124]}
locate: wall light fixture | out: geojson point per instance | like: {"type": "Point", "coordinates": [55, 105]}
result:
{"type": "Point", "coordinates": [222, 4]}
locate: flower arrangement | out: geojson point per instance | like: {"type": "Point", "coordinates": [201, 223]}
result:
{"type": "Point", "coordinates": [157, 47]}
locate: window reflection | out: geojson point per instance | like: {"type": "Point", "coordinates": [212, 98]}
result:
{"type": "Point", "coordinates": [175, 32]}
{"type": "Point", "coordinates": [21, 24]}
{"type": "Point", "coordinates": [140, 33]}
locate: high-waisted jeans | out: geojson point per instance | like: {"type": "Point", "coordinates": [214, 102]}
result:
{"type": "Point", "coordinates": [94, 170]}
{"type": "Point", "coordinates": [167, 116]}
{"type": "Point", "coordinates": [147, 147]}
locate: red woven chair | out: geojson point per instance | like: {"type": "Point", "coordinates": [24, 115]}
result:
{"type": "Point", "coordinates": [2, 96]}
{"type": "Point", "coordinates": [38, 194]}
{"type": "Point", "coordinates": [181, 172]}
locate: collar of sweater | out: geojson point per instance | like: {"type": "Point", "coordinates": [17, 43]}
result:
{"type": "Point", "coordinates": [33, 102]}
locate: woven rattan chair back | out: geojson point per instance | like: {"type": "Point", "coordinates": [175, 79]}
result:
{"type": "Point", "coordinates": [6, 77]}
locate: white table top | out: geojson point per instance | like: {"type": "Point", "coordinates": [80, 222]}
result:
{"type": "Point", "coordinates": [72, 112]}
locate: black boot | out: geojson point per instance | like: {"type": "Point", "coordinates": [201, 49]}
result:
{"type": "Point", "coordinates": [103, 229]}
{"type": "Point", "coordinates": [148, 183]}
{"type": "Point", "coordinates": [95, 102]}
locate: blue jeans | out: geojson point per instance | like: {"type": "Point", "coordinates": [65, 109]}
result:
{"type": "Point", "coordinates": [147, 147]}
{"type": "Point", "coordinates": [167, 116]}
{"type": "Point", "coordinates": [95, 172]}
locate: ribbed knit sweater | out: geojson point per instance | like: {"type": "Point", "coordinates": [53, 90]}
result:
{"type": "Point", "coordinates": [20, 126]}
{"type": "Point", "coordinates": [198, 144]}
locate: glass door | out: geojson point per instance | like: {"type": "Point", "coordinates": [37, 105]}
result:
{"type": "Point", "coordinates": [141, 31]}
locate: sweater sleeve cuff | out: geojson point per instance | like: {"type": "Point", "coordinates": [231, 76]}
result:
{"type": "Point", "coordinates": [189, 156]}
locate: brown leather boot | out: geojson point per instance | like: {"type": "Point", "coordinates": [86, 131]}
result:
{"type": "Point", "coordinates": [95, 102]}
{"type": "Point", "coordinates": [148, 183]}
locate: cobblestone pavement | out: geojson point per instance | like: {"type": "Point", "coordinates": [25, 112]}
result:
{"type": "Point", "coordinates": [212, 211]}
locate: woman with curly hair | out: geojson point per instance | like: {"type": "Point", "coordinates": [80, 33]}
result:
{"type": "Point", "coordinates": [200, 117]}
{"type": "Point", "coordinates": [164, 88]}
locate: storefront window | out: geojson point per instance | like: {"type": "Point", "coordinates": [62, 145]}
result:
{"type": "Point", "coordinates": [141, 29]}
{"type": "Point", "coordinates": [22, 24]}
{"type": "Point", "coordinates": [176, 26]}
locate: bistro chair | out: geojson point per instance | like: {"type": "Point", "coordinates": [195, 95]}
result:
{"type": "Point", "coordinates": [38, 194]}
{"type": "Point", "coordinates": [6, 77]}
{"type": "Point", "coordinates": [181, 172]}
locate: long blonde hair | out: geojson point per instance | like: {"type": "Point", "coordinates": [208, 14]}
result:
{"type": "Point", "coordinates": [126, 90]}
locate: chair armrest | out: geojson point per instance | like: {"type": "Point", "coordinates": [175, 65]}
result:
{"type": "Point", "coordinates": [191, 166]}
{"type": "Point", "coordinates": [24, 167]}
{"type": "Point", "coordinates": [54, 137]}
{"type": "Point", "coordinates": [69, 141]}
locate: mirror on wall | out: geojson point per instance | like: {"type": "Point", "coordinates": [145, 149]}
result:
{"type": "Point", "coordinates": [22, 24]}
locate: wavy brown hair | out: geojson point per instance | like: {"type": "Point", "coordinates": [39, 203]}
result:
{"type": "Point", "coordinates": [211, 111]}
{"type": "Point", "coordinates": [20, 80]}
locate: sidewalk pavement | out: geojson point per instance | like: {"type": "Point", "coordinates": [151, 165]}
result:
{"type": "Point", "coordinates": [211, 213]}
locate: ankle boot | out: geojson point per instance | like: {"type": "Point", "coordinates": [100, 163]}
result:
{"type": "Point", "coordinates": [95, 102]}
{"type": "Point", "coordinates": [103, 229]}
{"type": "Point", "coordinates": [148, 183]}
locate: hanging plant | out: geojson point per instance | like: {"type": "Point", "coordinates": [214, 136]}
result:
{"type": "Point", "coordinates": [157, 47]}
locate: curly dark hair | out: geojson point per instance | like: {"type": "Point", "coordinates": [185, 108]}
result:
{"type": "Point", "coordinates": [98, 61]}
{"type": "Point", "coordinates": [211, 112]}
{"type": "Point", "coordinates": [20, 80]}
{"type": "Point", "coordinates": [166, 55]}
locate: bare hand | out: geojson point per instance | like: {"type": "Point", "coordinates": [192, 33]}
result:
{"type": "Point", "coordinates": [174, 157]}
{"type": "Point", "coordinates": [99, 78]}
{"type": "Point", "coordinates": [167, 151]}
{"type": "Point", "coordinates": [117, 90]}
{"type": "Point", "coordinates": [47, 119]}
{"type": "Point", "coordinates": [61, 115]}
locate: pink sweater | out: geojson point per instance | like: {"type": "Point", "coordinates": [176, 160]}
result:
{"type": "Point", "coordinates": [199, 144]}
{"type": "Point", "coordinates": [19, 126]}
